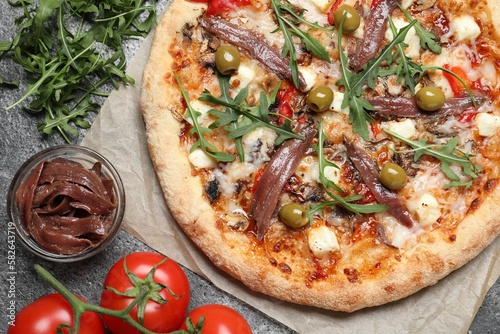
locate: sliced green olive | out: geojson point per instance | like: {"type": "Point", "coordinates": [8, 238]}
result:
{"type": "Point", "coordinates": [227, 59]}
{"type": "Point", "coordinates": [352, 20]}
{"type": "Point", "coordinates": [293, 215]}
{"type": "Point", "coordinates": [393, 176]}
{"type": "Point", "coordinates": [320, 98]}
{"type": "Point", "coordinates": [430, 98]}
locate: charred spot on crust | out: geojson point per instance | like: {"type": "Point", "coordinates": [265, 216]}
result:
{"type": "Point", "coordinates": [212, 190]}
{"type": "Point", "coordinates": [490, 185]}
{"type": "Point", "coordinates": [285, 268]}
{"type": "Point", "coordinates": [352, 274]}
{"type": "Point", "coordinates": [474, 205]}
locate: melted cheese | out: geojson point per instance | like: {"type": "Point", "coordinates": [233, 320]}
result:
{"type": "Point", "coordinates": [243, 77]}
{"type": "Point", "coordinates": [322, 241]}
{"type": "Point", "coordinates": [405, 128]}
{"type": "Point", "coordinates": [464, 28]}
{"type": "Point", "coordinates": [200, 159]}
{"type": "Point", "coordinates": [487, 124]}
{"type": "Point", "coordinates": [426, 207]}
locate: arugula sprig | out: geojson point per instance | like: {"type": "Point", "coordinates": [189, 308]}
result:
{"type": "Point", "coordinates": [427, 39]}
{"type": "Point", "coordinates": [328, 185]}
{"type": "Point", "coordinates": [199, 130]}
{"type": "Point", "coordinates": [289, 27]}
{"type": "Point", "coordinates": [73, 49]}
{"type": "Point", "coordinates": [253, 116]}
{"type": "Point", "coordinates": [448, 155]}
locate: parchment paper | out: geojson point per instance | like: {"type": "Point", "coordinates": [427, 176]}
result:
{"type": "Point", "coordinates": [118, 133]}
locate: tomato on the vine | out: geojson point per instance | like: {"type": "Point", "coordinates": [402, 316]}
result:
{"type": "Point", "coordinates": [219, 319]}
{"type": "Point", "coordinates": [164, 306]}
{"type": "Point", "coordinates": [47, 313]}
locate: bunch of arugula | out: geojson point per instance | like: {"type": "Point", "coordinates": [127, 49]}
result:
{"type": "Point", "coordinates": [72, 50]}
{"type": "Point", "coordinates": [238, 119]}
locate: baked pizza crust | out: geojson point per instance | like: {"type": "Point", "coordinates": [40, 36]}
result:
{"type": "Point", "coordinates": [432, 258]}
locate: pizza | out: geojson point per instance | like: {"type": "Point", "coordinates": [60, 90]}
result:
{"type": "Point", "coordinates": [333, 153]}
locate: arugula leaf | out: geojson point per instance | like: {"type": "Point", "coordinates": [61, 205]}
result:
{"type": "Point", "coordinates": [358, 116]}
{"type": "Point", "coordinates": [197, 129]}
{"type": "Point", "coordinates": [405, 68]}
{"type": "Point", "coordinates": [323, 162]}
{"type": "Point", "coordinates": [346, 202]}
{"type": "Point", "coordinates": [447, 154]}
{"type": "Point", "coordinates": [427, 39]}
{"type": "Point", "coordinates": [289, 29]}
{"type": "Point", "coordinates": [253, 116]}
{"type": "Point", "coordinates": [229, 118]}
{"type": "Point", "coordinates": [369, 74]}
{"type": "Point", "coordinates": [74, 50]}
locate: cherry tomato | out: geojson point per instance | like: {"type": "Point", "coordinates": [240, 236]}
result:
{"type": "Point", "coordinates": [217, 7]}
{"type": "Point", "coordinates": [158, 317]}
{"type": "Point", "coordinates": [45, 314]}
{"type": "Point", "coordinates": [219, 319]}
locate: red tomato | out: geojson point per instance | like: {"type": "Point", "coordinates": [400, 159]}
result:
{"type": "Point", "coordinates": [219, 319]}
{"type": "Point", "coordinates": [217, 7]}
{"type": "Point", "coordinates": [45, 314]}
{"type": "Point", "coordinates": [455, 84]}
{"type": "Point", "coordinates": [333, 8]}
{"type": "Point", "coordinates": [158, 317]}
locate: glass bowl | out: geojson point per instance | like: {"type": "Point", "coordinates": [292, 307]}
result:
{"type": "Point", "coordinates": [113, 218]}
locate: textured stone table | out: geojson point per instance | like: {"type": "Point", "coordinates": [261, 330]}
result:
{"type": "Point", "coordinates": [19, 139]}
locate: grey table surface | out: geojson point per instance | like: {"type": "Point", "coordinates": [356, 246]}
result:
{"type": "Point", "coordinates": [19, 139]}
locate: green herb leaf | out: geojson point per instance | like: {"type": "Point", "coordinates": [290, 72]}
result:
{"type": "Point", "coordinates": [197, 129]}
{"type": "Point", "coordinates": [289, 28]}
{"type": "Point", "coordinates": [253, 116]}
{"type": "Point", "coordinates": [358, 116]}
{"type": "Point", "coordinates": [427, 39]}
{"type": "Point", "coordinates": [448, 155]}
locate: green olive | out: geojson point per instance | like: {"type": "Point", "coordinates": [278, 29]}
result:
{"type": "Point", "coordinates": [320, 98]}
{"type": "Point", "coordinates": [430, 98]}
{"type": "Point", "coordinates": [352, 20]}
{"type": "Point", "coordinates": [227, 59]}
{"type": "Point", "coordinates": [393, 176]}
{"type": "Point", "coordinates": [293, 215]}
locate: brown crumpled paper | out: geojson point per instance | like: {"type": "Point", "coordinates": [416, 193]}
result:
{"type": "Point", "coordinates": [118, 133]}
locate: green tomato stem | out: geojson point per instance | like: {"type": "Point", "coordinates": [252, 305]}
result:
{"type": "Point", "coordinates": [80, 307]}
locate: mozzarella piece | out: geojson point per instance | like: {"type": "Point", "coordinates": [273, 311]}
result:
{"type": "Point", "coordinates": [338, 99]}
{"type": "Point", "coordinates": [332, 174]}
{"type": "Point", "coordinates": [426, 207]}
{"type": "Point", "coordinates": [309, 170]}
{"type": "Point", "coordinates": [401, 235]}
{"type": "Point", "coordinates": [406, 3]}
{"type": "Point", "coordinates": [200, 159]}
{"type": "Point", "coordinates": [309, 75]}
{"type": "Point", "coordinates": [242, 77]}
{"type": "Point", "coordinates": [487, 124]}
{"type": "Point", "coordinates": [464, 28]}
{"type": "Point", "coordinates": [322, 241]}
{"type": "Point", "coordinates": [405, 128]}
{"type": "Point", "coordinates": [322, 5]}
